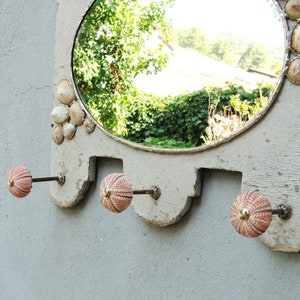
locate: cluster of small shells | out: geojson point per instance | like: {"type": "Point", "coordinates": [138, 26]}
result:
{"type": "Point", "coordinates": [68, 115]}
{"type": "Point", "coordinates": [292, 11]}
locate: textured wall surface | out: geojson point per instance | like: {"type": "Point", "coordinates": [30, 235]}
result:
{"type": "Point", "coordinates": [86, 252]}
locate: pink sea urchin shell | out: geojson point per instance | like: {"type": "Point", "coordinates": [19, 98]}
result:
{"type": "Point", "coordinates": [116, 192]}
{"type": "Point", "coordinates": [251, 214]}
{"type": "Point", "coordinates": [19, 181]}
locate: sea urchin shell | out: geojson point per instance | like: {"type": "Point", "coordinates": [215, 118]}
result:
{"type": "Point", "coordinates": [251, 213]}
{"type": "Point", "coordinates": [19, 181]}
{"type": "Point", "coordinates": [116, 192]}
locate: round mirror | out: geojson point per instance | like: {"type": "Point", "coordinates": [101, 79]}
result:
{"type": "Point", "coordinates": [179, 73]}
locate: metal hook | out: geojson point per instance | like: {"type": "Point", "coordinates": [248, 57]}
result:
{"type": "Point", "coordinates": [60, 178]}
{"type": "Point", "coordinates": [155, 192]}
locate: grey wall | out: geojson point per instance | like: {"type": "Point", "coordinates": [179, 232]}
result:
{"type": "Point", "coordinates": [86, 252]}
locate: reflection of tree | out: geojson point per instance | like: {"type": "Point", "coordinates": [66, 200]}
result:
{"type": "Point", "coordinates": [222, 50]}
{"type": "Point", "coordinates": [112, 47]}
{"type": "Point", "coordinates": [193, 39]}
{"type": "Point", "coordinates": [228, 47]}
{"type": "Point", "coordinates": [120, 39]}
{"type": "Point", "coordinates": [255, 56]}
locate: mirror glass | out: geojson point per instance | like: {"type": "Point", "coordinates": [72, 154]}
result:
{"type": "Point", "coordinates": [178, 73]}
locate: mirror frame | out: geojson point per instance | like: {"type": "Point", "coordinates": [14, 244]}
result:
{"type": "Point", "coordinates": [260, 156]}
{"type": "Point", "coordinates": [204, 147]}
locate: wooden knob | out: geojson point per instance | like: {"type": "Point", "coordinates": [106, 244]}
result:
{"type": "Point", "coordinates": [251, 214]}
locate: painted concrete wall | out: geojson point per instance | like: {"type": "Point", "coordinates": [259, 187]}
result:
{"type": "Point", "coordinates": [86, 252]}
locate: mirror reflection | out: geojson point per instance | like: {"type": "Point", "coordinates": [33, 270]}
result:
{"type": "Point", "coordinates": [165, 73]}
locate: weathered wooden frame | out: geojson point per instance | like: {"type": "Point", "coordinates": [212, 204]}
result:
{"type": "Point", "coordinates": [266, 151]}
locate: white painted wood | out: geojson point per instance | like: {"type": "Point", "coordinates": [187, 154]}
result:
{"type": "Point", "coordinates": [267, 154]}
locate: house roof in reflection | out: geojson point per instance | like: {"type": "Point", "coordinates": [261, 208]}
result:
{"type": "Point", "coordinates": [188, 71]}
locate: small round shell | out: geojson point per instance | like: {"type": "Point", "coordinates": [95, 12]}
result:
{"type": "Point", "coordinates": [19, 181]}
{"type": "Point", "coordinates": [251, 214]}
{"type": "Point", "coordinates": [60, 114]}
{"type": "Point", "coordinates": [57, 134]}
{"type": "Point", "coordinates": [69, 130]}
{"type": "Point", "coordinates": [292, 9]}
{"type": "Point", "coordinates": [295, 39]}
{"type": "Point", "coordinates": [294, 71]}
{"type": "Point", "coordinates": [76, 114]}
{"type": "Point", "coordinates": [115, 192]}
{"type": "Point", "coordinates": [65, 92]}
{"type": "Point", "coordinates": [89, 125]}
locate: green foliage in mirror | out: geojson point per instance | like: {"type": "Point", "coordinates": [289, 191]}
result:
{"type": "Point", "coordinates": [228, 47]}
{"type": "Point", "coordinates": [182, 121]}
{"type": "Point", "coordinates": [112, 48]}
{"type": "Point", "coordinates": [119, 40]}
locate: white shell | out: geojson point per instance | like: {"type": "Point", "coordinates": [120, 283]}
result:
{"type": "Point", "coordinates": [76, 114]}
{"type": "Point", "coordinates": [60, 114]}
{"type": "Point", "coordinates": [65, 92]}
{"type": "Point", "coordinates": [295, 39]}
{"type": "Point", "coordinates": [57, 134]}
{"type": "Point", "coordinates": [69, 130]}
{"type": "Point", "coordinates": [89, 125]}
{"type": "Point", "coordinates": [294, 71]}
{"type": "Point", "coordinates": [292, 9]}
